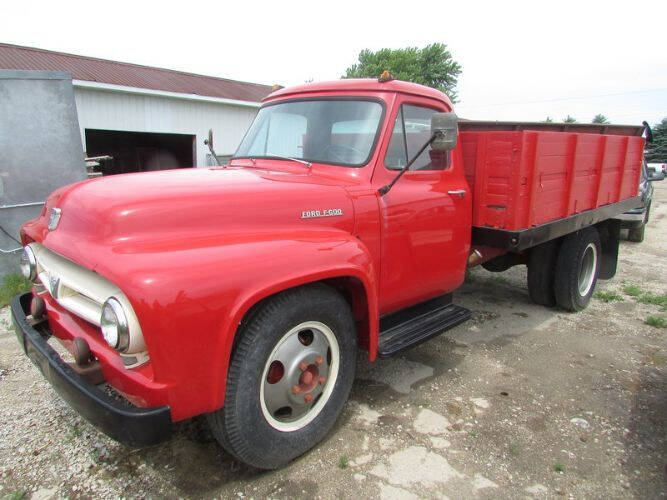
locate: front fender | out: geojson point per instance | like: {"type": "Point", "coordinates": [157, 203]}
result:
{"type": "Point", "coordinates": [191, 301]}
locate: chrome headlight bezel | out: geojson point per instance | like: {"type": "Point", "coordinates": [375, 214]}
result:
{"type": "Point", "coordinates": [28, 264]}
{"type": "Point", "coordinates": [114, 325]}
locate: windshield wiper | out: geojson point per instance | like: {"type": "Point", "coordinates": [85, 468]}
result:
{"type": "Point", "coordinates": [254, 159]}
{"type": "Point", "coordinates": [278, 157]}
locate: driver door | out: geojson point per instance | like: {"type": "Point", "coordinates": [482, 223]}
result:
{"type": "Point", "coordinates": [425, 217]}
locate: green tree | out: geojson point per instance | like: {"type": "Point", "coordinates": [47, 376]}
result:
{"type": "Point", "coordinates": [549, 120]}
{"type": "Point", "coordinates": [569, 119]}
{"type": "Point", "coordinates": [656, 151]}
{"type": "Point", "coordinates": [601, 119]}
{"type": "Point", "coordinates": [432, 66]}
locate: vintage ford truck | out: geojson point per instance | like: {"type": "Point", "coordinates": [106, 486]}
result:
{"type": "Point", "coordinates": [345, 221]}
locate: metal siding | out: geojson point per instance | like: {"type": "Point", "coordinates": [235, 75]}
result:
{"type": "Point", "coordinates": [138, 113]}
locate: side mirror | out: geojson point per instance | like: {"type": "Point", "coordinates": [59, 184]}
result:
{"type": "Point", "coordinates": [445, 126]}
{"type": "Point", "coordinates": [209, 140]}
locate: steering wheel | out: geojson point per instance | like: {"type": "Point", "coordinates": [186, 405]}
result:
{"type": "Point", "coordinates": [338, 152]}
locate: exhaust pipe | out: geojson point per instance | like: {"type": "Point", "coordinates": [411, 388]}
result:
{"type": "Point", "coordinates": [475, 258]}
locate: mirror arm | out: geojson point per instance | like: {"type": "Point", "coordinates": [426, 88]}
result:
{"type": "Point", "coordinates": [385, 189]}
{"type": "Point", "coordinates": [209, 142]}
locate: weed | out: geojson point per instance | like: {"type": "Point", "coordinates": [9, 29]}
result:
{"type": "Point", "coordinates": [74, 433]}
{"type": "Point", "coordinates": [473, 433]}
{"type": "Point", "coordinates": [656, 321]}
{"type": "Point", "coordinates": [343, 462]}
{"type": "Point", "coordinates": [632, 290]}
{"type": "Point", "coordinates": [654, 299]}
{"type": "Point", "coordinates": [605, 296]}
{"type": "Point", "coordinates": [559, 467]}
{"type": "Point", "coordinates": [95, 455]}
{"type": "Point", "coordinates": [515, 449]}
{"type": "Point", "coordinates": [17, 495]}
{"type": "Point", "coordinates": [501, 280]}
{"type": "Point", "coordinates": [13, 284]}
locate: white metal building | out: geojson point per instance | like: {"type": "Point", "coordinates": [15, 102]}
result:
{"type": "Point", "coordinates": [148, 118]}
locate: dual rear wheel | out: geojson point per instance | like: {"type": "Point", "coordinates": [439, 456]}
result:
{"type": "Point", "coordinates": [564, 272]}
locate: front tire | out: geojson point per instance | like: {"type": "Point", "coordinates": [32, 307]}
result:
{"type": "Point", "coordinates": [577, 269]}
{"type": "Point", "coordinates": [289, 377]}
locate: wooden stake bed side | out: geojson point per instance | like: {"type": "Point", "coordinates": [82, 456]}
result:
{"type": "Point", "coordinates": [534, 182]}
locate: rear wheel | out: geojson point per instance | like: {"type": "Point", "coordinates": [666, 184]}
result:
{"type": "Point", "coordinates": [636, 234]}
{"type": "Point", "coordinates": [541, 272]}
{"type": "Point", "coordinates": [577, 269]}
{"type": "Point", "coordinates": [289, 377]}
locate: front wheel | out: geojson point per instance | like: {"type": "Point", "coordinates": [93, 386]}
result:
{"type": "Point", "coordinates": [577, 269]}
{"type": "Point", "coordinates": [289, 377]}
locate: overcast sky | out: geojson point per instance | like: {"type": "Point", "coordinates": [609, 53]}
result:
{"type": "Point", "coordinates": [521, 60]}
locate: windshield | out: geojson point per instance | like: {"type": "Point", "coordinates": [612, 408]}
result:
{"type": "Point", "coordinates": [339, 132]}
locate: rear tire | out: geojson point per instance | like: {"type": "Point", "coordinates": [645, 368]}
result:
{"type": "Point", "coordinates": [541, 272]}
{"type": "Point", "coordinates": [289, 377]}
{"type": "Point", "coordinates": [636, 234]}
{"type": "Point", "coordinates": [577, 269]}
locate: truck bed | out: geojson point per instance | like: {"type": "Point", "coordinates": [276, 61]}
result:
{"type": "Point", "coordinates": [529, 175]}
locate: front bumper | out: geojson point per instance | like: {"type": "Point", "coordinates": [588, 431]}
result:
{"type": "Point", "coordinates": [128, 424]}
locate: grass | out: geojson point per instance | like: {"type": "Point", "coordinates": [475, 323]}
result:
{"type": "Point", "coordinates": [501, 280]}
{"type": "Point", "coordinates": [656, 321]}
{"type": "Point", "coordinates": [654, 299]}
{"type": "Point", "coordinates": [632, 290]}
{"type": "Point", "coordinates": [13, 284]}
{"type": "Point", "coordinates": [343, 462]}
{"type": "Point", "coordinates": [605, 296]}
{"type": "Point", "coordinates": [558, 467]}
{"type": "Point", "coordinates": [515, 449]}
{"type": "Point", "coordinates": [17, 495]}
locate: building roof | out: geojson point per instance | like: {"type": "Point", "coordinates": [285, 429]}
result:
{"type": "Point", "coordinates": [130, 75]}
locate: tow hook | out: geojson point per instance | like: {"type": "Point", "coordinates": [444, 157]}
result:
{"type": "Point", "coordinates": [85, 363]}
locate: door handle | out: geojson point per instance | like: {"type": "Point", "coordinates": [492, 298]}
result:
{"type": "Point", "coordinates": [457, 192]}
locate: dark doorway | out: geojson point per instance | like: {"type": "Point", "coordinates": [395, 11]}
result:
{"type": "Point", "coordinates": [141, 151]}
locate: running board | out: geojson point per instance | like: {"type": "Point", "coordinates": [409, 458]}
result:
{"type": "Point", "coordinates": [417, 324]}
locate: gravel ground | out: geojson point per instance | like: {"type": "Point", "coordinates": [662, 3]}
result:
{"type": "Point", "coordinates": [520, 402]}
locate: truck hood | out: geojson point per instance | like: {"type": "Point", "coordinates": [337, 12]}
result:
{"type": "Point", "coordinates": [186, 208]}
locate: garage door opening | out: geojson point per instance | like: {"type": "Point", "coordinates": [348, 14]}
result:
{"type": "Point", "coordinates": [141, 151]}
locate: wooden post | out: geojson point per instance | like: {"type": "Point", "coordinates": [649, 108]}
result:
{"type": "Point", "coordinates": [571, 165]}
{"type": "Point", "coordinates": [598, 166]}
{"type": "Point", "coordinates": [624, 165]}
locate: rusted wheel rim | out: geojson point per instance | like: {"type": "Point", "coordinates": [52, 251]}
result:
{"type": "Point", "coordinates": [589, 263]}
{"type": "Point", "coordinates": [299, 376]}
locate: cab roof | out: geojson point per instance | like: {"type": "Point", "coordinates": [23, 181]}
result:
{"type": "Point", "coordinates": [361, 84]}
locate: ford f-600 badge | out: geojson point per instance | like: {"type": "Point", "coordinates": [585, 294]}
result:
{"type": "Point", "coordinates": [329, 212]}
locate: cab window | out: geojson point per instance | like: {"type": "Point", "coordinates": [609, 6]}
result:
{"type": "Point", "coordinates": [411, 130]}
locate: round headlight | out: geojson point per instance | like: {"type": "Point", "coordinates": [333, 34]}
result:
{"type": "Point", "coordinates": [114, 325]}
{"type": "Point", "coordinates": [28, 264]}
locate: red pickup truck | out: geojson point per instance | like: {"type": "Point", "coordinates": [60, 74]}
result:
{"type": "Point", "coordinates": [345, 221]}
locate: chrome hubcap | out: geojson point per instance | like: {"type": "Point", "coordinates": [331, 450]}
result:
{"type": "Point", "coordinates": [299, 376]}
{"type": "Point", "coordinates": [589, 263]}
